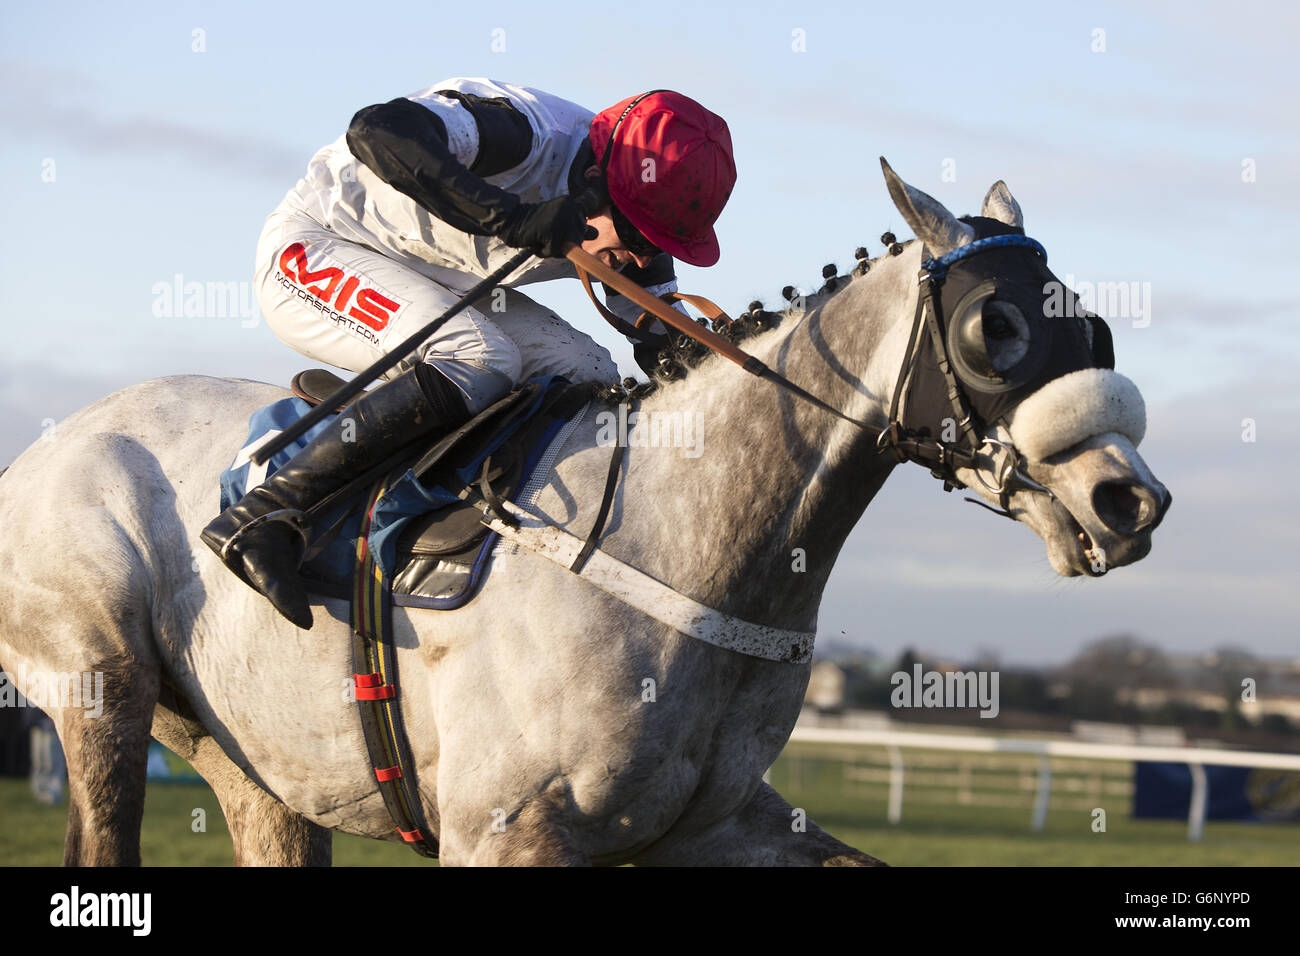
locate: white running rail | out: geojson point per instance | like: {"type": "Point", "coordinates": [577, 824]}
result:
{"type": "Point", "coordinates": [1195, 757]}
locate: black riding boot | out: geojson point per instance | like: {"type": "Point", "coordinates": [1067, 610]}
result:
{"type": "Point", "coordinates": [262, 537]}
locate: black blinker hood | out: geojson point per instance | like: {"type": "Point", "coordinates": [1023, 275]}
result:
{"type": "Point", "coordinates": [1057, 345]}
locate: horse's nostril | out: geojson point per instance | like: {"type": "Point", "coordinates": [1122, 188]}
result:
{"type": "Point", "coordinates": [1164, 508]}
{"type": "Point", "coordinates": [1126, 508]}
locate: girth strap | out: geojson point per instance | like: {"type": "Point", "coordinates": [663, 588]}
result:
{"type": "Point", "coordinates": [378, 694]}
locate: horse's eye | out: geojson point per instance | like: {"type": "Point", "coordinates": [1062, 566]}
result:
{"type": "Point", "coordinates": [997, 322]}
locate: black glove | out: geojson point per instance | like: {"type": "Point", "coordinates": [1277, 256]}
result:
{"type": "Point", "coordinates": [546, 227]}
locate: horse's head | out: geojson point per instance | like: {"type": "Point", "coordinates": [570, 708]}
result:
{"type": "Point", "coordinates": [1053, 427]}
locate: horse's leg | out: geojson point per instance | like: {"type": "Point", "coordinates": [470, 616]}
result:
{"type": "Point", "coordinates": [107, 754]}
{"type": "Point", "coordinates": [534, 834]}
{"type": "Point", "coordinates": [265, 832]}
{"type": "Point", "coordinates": [767, 831]}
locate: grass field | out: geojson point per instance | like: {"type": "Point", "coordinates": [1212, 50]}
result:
{"type": "Point", "coordinates": [951, 834]}
{"type": "Point", "coordinates": [941, 833]}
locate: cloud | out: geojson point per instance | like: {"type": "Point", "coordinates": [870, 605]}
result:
{"type": "Point", "coordinates": [40, 104]}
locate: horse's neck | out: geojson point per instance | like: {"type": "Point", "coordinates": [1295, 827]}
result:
{"type": "Point", "coordinates": [753, 524]}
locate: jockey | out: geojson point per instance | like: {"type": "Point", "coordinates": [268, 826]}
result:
{"type": "Point", "coordinates": [422, 197]}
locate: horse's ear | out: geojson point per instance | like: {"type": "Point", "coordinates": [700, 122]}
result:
{"type": "Point", "coordinates": [999, 204]}
{"type": "Point", "coordinates": [934, 225]}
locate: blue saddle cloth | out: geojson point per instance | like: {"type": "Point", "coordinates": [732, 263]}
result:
{"type": "Point", "coordinates": [407, 498]}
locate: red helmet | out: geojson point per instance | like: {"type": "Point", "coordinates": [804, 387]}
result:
{"type": "Point", "coordinates": [670, 170]}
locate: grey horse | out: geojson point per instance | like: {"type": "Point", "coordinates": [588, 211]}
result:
{"type": "Point", "coordinates": [550, 721]}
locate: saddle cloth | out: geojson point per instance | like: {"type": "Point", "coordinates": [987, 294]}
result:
{"type": "Point", "coordinates": [428, 540]}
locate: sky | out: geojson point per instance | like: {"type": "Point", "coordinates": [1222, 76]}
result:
{"type": "Point", "coordinates": [142, 146]}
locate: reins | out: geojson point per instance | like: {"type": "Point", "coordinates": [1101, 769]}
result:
{"type": "Point", "coordinates": [585, 262]}
{"type": "Point", "coordinates": [942, 458]}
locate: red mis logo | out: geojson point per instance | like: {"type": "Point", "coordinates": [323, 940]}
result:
{"type": "Point", "coordinates": [369, 306]}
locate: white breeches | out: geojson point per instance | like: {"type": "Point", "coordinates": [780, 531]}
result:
{"type": "Point", "coordinates": [344, 304]}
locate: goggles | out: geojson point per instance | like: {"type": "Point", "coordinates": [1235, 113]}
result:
{"type": "Point", "coordinates": [630, 236]}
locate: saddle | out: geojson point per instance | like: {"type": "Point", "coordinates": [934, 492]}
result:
{"type": "Point", "coordinates": [408, 533]}
{"type": "Point", "coordinates": [438, 556]}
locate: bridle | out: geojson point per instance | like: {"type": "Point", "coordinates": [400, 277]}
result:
{"type": "Point", "coordinates": [943, 458]}
{"type": "Point", "coordinates": [1010, 479]}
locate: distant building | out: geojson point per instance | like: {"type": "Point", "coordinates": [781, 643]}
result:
{"type": "Point", "coordinates": [825, 687]}
{"type": "Point", "coordinates": [1204, 681]}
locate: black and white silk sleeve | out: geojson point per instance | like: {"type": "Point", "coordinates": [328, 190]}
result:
{"type": "Point", "coordinates": [406, 144]}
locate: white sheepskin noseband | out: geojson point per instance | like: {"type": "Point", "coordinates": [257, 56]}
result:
{"type": "Point", "coordinates": [1074, 407]}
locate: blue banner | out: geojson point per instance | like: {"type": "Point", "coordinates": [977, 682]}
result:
{"type": "Point", "coordinates": [1164, 791]}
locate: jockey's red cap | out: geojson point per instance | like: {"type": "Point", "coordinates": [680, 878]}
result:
{"type": "Point", "coordinates": [670, 170]}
